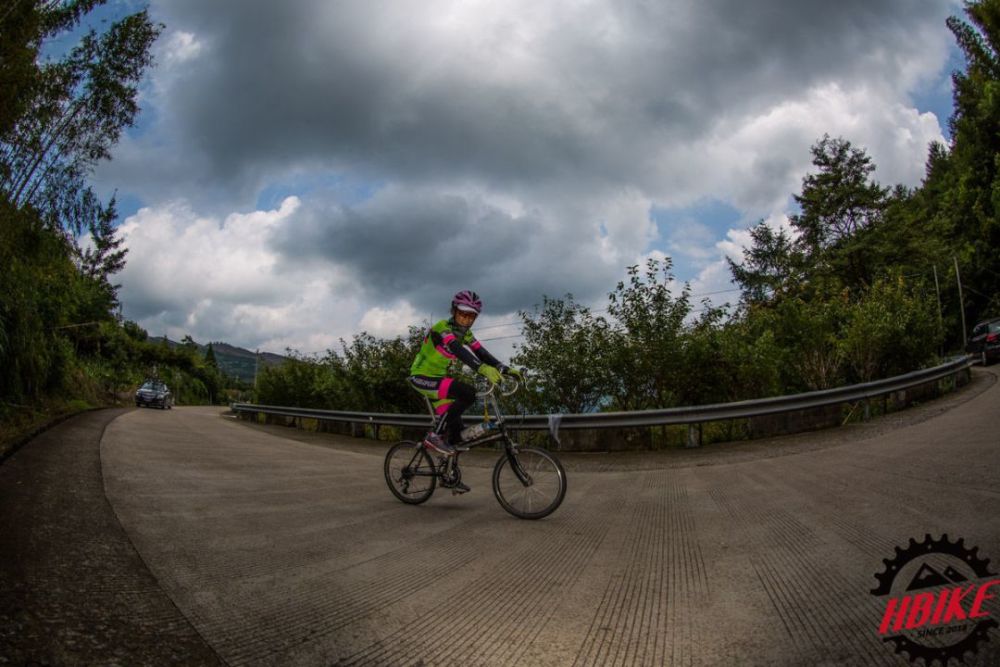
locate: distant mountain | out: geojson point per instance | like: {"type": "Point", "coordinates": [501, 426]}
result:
{"type": "Point", "coordinates": [240, 363]}
{"type": "Point", "coordinates": [234, 361]}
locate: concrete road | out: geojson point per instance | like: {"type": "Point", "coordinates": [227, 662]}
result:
{"type": "Point", "coordinates": [286, 548]}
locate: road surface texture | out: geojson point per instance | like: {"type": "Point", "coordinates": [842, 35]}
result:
{"type": "Point", "coordinates": [191, 538]}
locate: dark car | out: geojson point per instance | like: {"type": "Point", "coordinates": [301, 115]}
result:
{"type": "Point", "coordinates": [985, 341]}
{"type": "Point", "coordinates": [154, 393]}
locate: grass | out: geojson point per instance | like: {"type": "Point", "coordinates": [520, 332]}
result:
{"type": "Point", "coordinates": [21, 423]}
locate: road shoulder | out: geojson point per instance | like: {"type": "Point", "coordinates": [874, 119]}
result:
{"type": "Point", "coordinates": [73, 590]}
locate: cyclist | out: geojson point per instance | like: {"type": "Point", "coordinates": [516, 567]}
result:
{"type": "Point", "coordinates": [447, 340]}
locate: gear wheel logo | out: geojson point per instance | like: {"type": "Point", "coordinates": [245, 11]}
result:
{"type": "Point", "coordinates": [940, 600]}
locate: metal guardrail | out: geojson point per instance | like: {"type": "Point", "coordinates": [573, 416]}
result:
{"type": "Point", "coordinates": [663, 417]}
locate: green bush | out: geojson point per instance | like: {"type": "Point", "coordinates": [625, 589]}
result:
{"type": "Point", "coordinates": [891, 330]}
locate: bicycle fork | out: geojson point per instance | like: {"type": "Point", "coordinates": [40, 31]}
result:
{"type": "Point", "coordinates": [519, 471]}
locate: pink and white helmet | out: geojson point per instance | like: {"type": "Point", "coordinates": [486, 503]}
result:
{"type": "Point", "coordinates": [467, 301]}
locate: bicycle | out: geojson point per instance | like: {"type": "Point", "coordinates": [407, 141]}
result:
{"type": "Point", "coordinates": [528, 482]}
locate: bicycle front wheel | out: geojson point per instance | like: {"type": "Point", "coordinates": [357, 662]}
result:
{"type": "Point", "coordinates": [409, 472]}
{"type": "Point", "coordinates": [530, 484]}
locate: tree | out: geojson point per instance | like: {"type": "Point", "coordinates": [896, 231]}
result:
{"type": "Point", "coordinates": [19, 29]}
{"type": "Point", "coordinates": [77, 110]}
{"type": "Point", "coordinates": [839, 204]}
{"type": "Point", "coordinates": [135, 332]}
{"type": "Point", "coordinates": [376, 371]}
{"type": "Point", "coordinates": [39, 290]}
{"type": "Point", "coordinates": [891, 329]}
{"type": "Point", "coordinates": [295, 382]}
{"type": "Point", "coordinates": [23, 28]}
{"type": "Point", "coordinates": [751, 360]}
{"type": "Point", "coordinates": [811, 329]}
{"type": "Point", "coordinates": [839, 200]}
{"type": "Point", "coordinates": [188, 344]}
{"type": "Point", "coordinates": [57, 120]}
{"type": "Point", "coordinates": [210, 358]}
{"type": "Point", "coordinates": [771, 267]}
{"type": "Point", "coordinates": [566, 349]}
{"type": "Point", "coordinates": [973, 175]}
{"type": "Point", "coordinates": [648, 322]}
{"type": "Point", "coordinates": [370, 375]}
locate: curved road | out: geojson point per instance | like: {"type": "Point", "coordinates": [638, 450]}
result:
{"type": "Point", "coordinates": [278, 547]}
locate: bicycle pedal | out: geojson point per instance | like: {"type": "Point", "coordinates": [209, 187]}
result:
{"type": "Point", "coordinates": [458, 492]}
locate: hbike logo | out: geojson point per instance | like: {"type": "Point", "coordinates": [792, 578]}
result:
{"type": "Point", "coordinates": [944, 623]}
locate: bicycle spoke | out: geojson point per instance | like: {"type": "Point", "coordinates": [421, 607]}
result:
{"type": "Point", "coordinates": [535, 489]}
{"type": "Point", "coordinates": [406, 464]}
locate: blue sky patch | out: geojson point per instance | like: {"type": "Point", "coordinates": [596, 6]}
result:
{"type": "Point", "coordinates": [936, 97]}
{"type": "Point", "coordinates": [689, 234]}
{"type": "Point", "coordinates": [347, 191]}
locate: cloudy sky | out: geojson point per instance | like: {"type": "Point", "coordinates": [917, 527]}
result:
{"type": "Point", "coordinates": [306, 170]}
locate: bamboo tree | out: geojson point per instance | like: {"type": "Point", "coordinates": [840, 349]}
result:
{"type": "Point", "coordinates": [104, 105]}
{"type": "Point", "coordinates": [79, 111]}
{"type": "Point", "coordinates": [57, 121]}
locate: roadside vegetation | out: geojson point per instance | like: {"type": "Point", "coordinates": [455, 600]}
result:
{"type": "Point", "coordinates": [63, 345]}
{"type": "Point", "coordinates": [863, 286]}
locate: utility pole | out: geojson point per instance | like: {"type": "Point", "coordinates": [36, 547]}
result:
{"type": "Point", "coordinates": [937, 287]}
{"type": "Point", "coordinates": [256, 366]}
{"type": "Point", "coordinates": [961, 300]}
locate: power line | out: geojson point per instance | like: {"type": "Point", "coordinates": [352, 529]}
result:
{"type": "Point", "coordinates": [603, 310]}
{"type": "Point", "coordinates": [989, 270]}
{"type": "Point", "coordinates": [74, 326]}
{"type": "Point", "coordinates": [521, 335]}
{"type": "Point", "coordinates": [974, 291]}
{"type": "Point", "coordinates": [486, 340]}
{"type": "Point", "coordinates": [721, 291]}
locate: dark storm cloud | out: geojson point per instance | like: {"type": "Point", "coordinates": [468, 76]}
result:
{"type": "Point", "coordinates": [513, 147]}
{"type": "Point", "coordinates": [419, 246]}
{"type": "Point", "coordinates": [367, 85]}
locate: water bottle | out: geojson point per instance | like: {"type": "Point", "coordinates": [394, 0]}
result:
{"type": "Point", "coordinates": [478, 430]}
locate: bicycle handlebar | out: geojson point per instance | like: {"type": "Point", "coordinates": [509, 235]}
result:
{"type": "Point", "coordinates": [507, 385]}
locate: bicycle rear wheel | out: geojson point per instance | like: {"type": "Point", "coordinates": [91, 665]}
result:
{"type": "Point", "coordinates": [534, 489]}
{"type": "Point", "coordinates": [409, 472]}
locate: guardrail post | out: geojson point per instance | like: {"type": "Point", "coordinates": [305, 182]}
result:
{"type": "Point", "coordinates": [694, 435]}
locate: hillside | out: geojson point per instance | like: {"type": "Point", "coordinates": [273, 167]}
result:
{"type": "Point", "coordinates": [234, 361]}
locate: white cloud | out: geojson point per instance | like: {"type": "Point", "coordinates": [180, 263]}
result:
{"type": "Point", "coordinates": [174, 254]}
{"type": "Point", "coordinates": [693, 240]}
{"type": "Point", "coordinates": [181, 47]}
{"type": "Point", "coordinates": [517, 148]}
{"type": "Point", "coordinates": [389, 322]}
{"type": "Point", "coordinates": [713, 283]}
{"type": "Point", "coordinates": [739, 238]}
{"type": "Point", "coordinates": [756, 162]}
{"type": "Point", "coordinates": [219, 280]}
